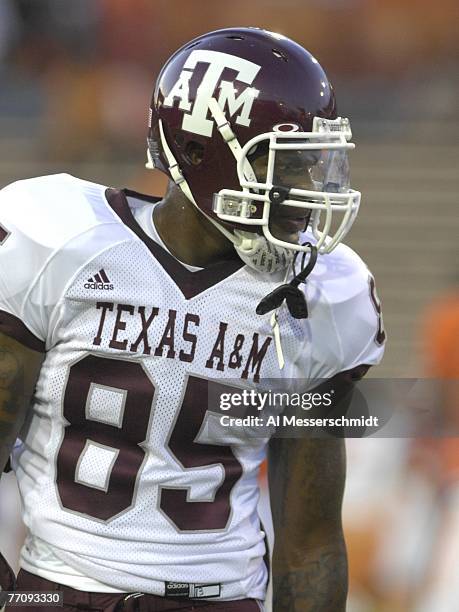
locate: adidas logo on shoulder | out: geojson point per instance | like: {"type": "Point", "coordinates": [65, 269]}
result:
{"type": "Point", "coordinates": [99, 281]}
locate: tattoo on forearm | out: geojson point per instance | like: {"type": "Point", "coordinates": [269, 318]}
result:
{"type": "Point", "coordinates": [9, 368]}
{"type": "Point", "coordinates": [11, 397]}
{"type": "Point", "coordinates": [319, 586]}
{"type": "Point", "coordinates": [309, 561]}
{"type": "Point", "coordinates": [307, 478]}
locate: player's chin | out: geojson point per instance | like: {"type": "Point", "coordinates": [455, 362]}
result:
{"type": "Point", "coordinates": [286, 232]}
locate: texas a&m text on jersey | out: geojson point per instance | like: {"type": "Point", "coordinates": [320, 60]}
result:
{"type": "Point", "coordinates": [129, 308]}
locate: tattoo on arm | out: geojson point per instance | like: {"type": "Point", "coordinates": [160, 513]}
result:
{"type": "Point", "coordinates": [321, 584]}
{"type": "Point", "coordinates": [309, 563]}
{"type": "Point", "coordinates": [18, 371]}
{"type": "Point", "coordinates": [11, 383]}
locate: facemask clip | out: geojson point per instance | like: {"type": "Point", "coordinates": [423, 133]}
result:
{"type": "Point", "coordinates": [278, 194]}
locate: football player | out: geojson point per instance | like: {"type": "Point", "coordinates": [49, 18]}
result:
{"type": "Point", "coordinates": [123, 314]}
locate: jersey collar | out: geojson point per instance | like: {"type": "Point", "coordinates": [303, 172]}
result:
{"type": "Point", "coordinates": [190, 283]}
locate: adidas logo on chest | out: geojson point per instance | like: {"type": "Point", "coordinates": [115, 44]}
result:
{"type": "Point", "coordinates": [99, 281]}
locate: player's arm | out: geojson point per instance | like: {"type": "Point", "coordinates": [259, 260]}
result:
{"type": "Point", "coordinates": [19, 368]}
{"type": "Point", "coordinates": [306, 481]}
{"type": "Point", "coordinates": [309, 561]}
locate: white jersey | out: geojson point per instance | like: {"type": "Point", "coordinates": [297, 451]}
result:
{"type": "Point", "coordinates": [118, 472]}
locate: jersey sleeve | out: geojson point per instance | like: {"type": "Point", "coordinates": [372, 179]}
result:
{"type": "Point", "coordinates": [346, 317]}
{"type": "Point", "coordinates": [361, 329]}
{"type": "Point", "coordinates": [40, 219]}
{"type": "Point", "coordinates": [23, 255]}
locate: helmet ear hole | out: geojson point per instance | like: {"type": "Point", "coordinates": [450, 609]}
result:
{"type": "Point", "coordinates": [179, 140]}
{"type": "Point", "coordinates": [194, 153]}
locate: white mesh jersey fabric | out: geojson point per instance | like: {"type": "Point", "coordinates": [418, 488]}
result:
{"type": "Point", "coordinates": [118, 472]}
{"type": "Point", "coordinates": [44, 217]}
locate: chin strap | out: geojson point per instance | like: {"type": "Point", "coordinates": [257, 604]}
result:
{"type": "Point", "coordinates": [254, 249]}
{"type": "Point", "coordinates": [229, 137]}
{"type": "Point", "coordinates": [181, 182]}
{"type": "Point", "coordinates": [292, 295]}
{"type": "Point", "coordinates": [277, 340]}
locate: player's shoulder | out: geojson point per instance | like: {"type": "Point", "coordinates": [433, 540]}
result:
{"type": "Point", "coordinates": [346, 310]}
{"type": "Point", "coordinates": [49, 188]}
{"type": "Point", "coordinates": [341, 275]}
{"type": "Point", "coordinates": [53, 207]}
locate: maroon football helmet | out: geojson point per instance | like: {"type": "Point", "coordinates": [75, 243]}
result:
{"type": "Point", "coordinates": [232, 95]}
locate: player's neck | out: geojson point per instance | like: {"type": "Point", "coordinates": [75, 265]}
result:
{"type": "Point", "coordinates": [188, 235]}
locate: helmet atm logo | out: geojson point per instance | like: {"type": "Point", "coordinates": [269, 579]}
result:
{"type": "Point", "coordinates": [197, 121]}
